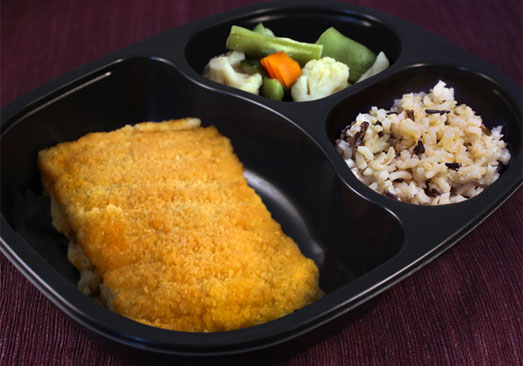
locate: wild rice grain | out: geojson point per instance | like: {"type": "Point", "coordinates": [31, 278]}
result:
{"type": "Point", "coordinates": [358, 139]}
{"type": "Point", "coordinates": [453, 166]}
{"type": "Point", "coordinates": [419, 148]}
{"type": "Point", "coordinates": [431, 192]}
{"type": "Point", "coordinates": [436, 111]}
{"type": "Point", "coordinates": [485, 130]}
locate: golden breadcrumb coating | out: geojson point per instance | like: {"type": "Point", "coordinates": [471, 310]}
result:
{"type": "Point", "coordinates": [163, 213]}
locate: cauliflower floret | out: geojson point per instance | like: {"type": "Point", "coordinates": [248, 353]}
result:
{"type": "Point", "coordinates": [320, 78]}
{"type": "Point", "coordinates": [225, 69]}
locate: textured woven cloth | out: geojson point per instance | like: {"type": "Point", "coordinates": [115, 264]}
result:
{"type": "Point", "coordinates": [463, 308]}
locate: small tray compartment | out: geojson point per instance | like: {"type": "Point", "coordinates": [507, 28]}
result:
{"type": "Point", "coordinates": [478, 91]}
{"type": "Point", "coordinates": [301, 24]}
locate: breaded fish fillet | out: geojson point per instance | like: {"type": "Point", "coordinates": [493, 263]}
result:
{"type": "Point", "coordinates": [166, 231]}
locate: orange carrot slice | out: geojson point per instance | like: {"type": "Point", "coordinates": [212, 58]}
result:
{"type": "Point", "coordinates": [281, 67]}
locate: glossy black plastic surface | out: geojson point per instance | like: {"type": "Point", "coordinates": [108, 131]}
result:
{"type": "Point", "coordinates": [361, 241]}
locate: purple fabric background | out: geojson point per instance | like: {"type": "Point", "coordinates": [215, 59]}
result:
{"type": "Point", "coordinates": [463, 308]}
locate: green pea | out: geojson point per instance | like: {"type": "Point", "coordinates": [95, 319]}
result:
{"type": "Point", "coordinates": [272, 88]}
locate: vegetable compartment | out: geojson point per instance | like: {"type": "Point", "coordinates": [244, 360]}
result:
{"type": "Point", "coordinates": [300, 25]}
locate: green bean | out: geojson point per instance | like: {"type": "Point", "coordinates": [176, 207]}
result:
{"type": "Point", "coordinates": [340, 47]}
{"type": "Point", "coordinates": [257, 45]}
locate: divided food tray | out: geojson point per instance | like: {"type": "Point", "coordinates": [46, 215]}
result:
{"type": "Point", "coordinates": [362, 242]}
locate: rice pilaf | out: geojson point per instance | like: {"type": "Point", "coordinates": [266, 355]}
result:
{"type": "Point", "coordinates": [425, 150]}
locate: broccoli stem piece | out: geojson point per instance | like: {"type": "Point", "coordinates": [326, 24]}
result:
{"type": "Point", "coordinates": [259, 45]}
{"type": "Point", "coordinates": [343, 49]}
{"type": "Point", "coordinates": [250, 66]}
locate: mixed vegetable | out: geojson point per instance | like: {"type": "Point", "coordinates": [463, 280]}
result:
{"type": "Point", "coordinates": [275, 67]}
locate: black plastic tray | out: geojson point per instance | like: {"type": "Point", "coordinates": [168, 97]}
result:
{"type": "Point", "coordinates": [363, 242]}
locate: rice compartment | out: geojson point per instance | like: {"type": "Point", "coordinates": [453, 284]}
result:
{"type": "Point", "coordinates": [425, 150]}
